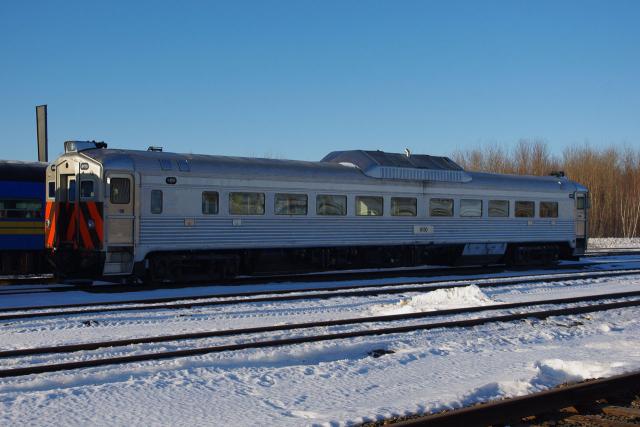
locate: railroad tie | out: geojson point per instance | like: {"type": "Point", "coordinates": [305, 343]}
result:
{"type": "Point", "coordinates": [621, 411]}
{"type": "Point", "coordinates": [594, 420]}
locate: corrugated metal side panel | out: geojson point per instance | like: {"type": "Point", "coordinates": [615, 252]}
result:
{"type": "Point", "coordinates": [269, 232]}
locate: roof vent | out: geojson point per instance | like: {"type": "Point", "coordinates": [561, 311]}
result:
{"type": "Point", "coordinates": [154, 148]}
{"type": "Point", "coordinates": [77, 146]}
{"type": "Point", "coordinates": [407, 166]}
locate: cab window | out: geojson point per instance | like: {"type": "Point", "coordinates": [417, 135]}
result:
{"type": "Point", "coordinates": [120, 191]}
{"type": "Point", "coordinates": [86, 190]}
{"type": "Point", "coordinates": [52, 190]}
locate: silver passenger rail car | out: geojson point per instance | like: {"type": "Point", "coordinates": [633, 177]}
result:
{"type": "Point", "coordinates": [157, 216]}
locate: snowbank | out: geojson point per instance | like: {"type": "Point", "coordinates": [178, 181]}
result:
{"type": "Point", "coordinates": [440, 299]}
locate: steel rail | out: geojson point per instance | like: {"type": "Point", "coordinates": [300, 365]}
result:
{"type": "Point", "coordinates": [297, 340]}
{"type": "Point", "coordinates": [514, 409]}
{"type": "Point", "coordinates": [281, 295]}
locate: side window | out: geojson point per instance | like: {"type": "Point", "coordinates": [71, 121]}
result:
{"type": "Point", "coordinates": [120, 191]}
{"type": "Point", "coordinates": [331, 205]}
{"type": "Point", "coordinates": [498, 208]}
{"type": "Point", "coordinates": [369, 206]}
{"type": "Point", "coordinates": [20, 208]}
{"type": "Point", "coordinates": [86, 190]}
{"type": "Point", "coordinates": [210, 202]}
{"type": "Point", "coordinates": [52, 190]}
{"type": "Point", "coordinates": [156, 201]}
{"type": "Point", "coordinates": [246, 203]}
{"type": "Point", "coordinates": [404, 206]}
{"type": "Point", "coordinates": [470, 207]}
{"type": "Point", "coordinates": [290, 204]}
{"type": "Point", "coordinates": [525, 209]}
{"type": "Point", "coordinates": [548, 209]}
{"type": "Point", "coordinates": [441, 207]}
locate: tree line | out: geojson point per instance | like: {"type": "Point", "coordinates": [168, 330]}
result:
{"type": "Point", "coordinates": [612, 175]}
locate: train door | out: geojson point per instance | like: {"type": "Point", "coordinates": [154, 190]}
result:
{"type": "Point", "coordinates": [67, 196]}
{"type": "Point", "coordinates": [120, 223]}
{"type": "Point", "coordinates": [581, 222]}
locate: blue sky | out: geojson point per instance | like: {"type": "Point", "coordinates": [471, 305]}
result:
{"type": "Point", "coordinates": [299, 79]}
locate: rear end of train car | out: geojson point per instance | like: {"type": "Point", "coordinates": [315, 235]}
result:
{"type": "Point", "coordinates": [89, 215]}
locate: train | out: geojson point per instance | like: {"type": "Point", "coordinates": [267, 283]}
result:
{"type": "Point", "coordinates": [153, 216]}
{"type": "Point", "coordinates": [22, 194]}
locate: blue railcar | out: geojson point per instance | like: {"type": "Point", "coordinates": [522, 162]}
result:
{"type": "Point", "coordinates": [22, 194]}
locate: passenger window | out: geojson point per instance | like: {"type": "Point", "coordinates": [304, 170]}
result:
{"type": "Point", "coordinates": [210, 202]}
{"type": "Point", "coordinates": [369, 206]}
{"type": "Point", "coordinates": [291, 204]}
{"type": "Point", "coordinates": [20, 208]}
{"type": "Point", "coordinates": [71, 191]}
{"type": "Point", "coordinates": [404, 206]}
{"type": "Point", "coordinates": [156, 201]}
{"type": "Point", "coordinates": [470, 207]}
{"type": "Point", "coordinates": [52, 190]}
{"type": "Point", "coordinates": [548, 209]}
{"type": "Point", "coordinates": [498, 208]}
{"type": "Point", "coordinates": [246, 203]}
{"type": "Point", "coordinates": [120, 190]}
{"type": "Point", "coordinates": [86, 189]}
{"type": "Point", "coordinates": [525, 209]}
{"type": "Point", "coordinates": [331, 205]}
{"type": "Point", "coordinates": [441, 207]}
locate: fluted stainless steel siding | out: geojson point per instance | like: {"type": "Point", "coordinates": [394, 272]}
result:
{"type": "Point", "coordinates": [170, 233]}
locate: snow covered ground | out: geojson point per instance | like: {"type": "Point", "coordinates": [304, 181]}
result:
{"type": "Point", "coordinates": [327, 383]}
{"type": "Point", "coordinates": [614, 243]}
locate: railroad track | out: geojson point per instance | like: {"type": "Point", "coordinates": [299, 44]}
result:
{"type": "Point", "coordinates": [600, 305]}
{"type": "Point", "coordinates": [583, 404]}
{"type": "Point", "coordinates": [425, 272]}
{"type": "Point", "coordinates": [181, 302]}
{"type": "Point", "coordinates": [47, 279]}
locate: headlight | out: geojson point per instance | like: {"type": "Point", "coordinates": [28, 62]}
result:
{"type": "Point", "coordinates": [91, 224]}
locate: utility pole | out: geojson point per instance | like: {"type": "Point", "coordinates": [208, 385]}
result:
{"type": "Point", "coordinates": [41, 129]}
